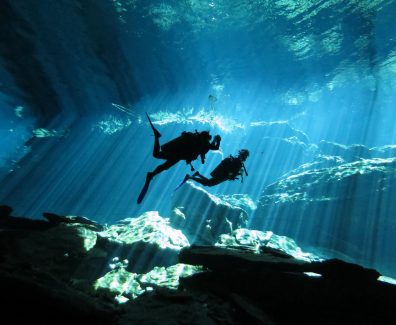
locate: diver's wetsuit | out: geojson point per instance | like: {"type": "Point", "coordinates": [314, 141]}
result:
{"type": "Point", "coordinates": [206, 181]}
{"type": "Point", "coordinates": [157, 153]}
{"type": "Point", "coordinates": [228, 170]}
{"type": "Point", "coordinates": [186, 147]}
{"type": "Point", "coordinates": [190, 153]}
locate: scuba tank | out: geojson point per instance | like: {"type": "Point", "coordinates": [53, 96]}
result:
{"type": "Point", "coordinates": [184, 143]}
{"type": "Point", "coordinates": [229, 168]}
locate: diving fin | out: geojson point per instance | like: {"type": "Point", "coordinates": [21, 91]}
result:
{"type": "Point", "coordinates": [157, 134]}
{"type": "Point", "coordinates": [186, 178]}
{"type": "Point", "coordinates": [145, 188]}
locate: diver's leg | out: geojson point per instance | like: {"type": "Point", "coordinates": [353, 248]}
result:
{"type": "Point", "coordinates": [205, 181]}
{"type": "Point", "coordinates": [201, 176]}
{"type": "Point", "coordinates": [150, 175]}
{"type": "Point", "coordinates": [166, 165]}
{"type": "Point", "coordinates": [214, 181]}
{"type": "Point", "coordinates": [202, 181]}
{"type": "Point", "coordinates": [157, 153]}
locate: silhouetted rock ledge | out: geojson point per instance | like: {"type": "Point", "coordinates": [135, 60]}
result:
{"type": "Point", "coordinates": [237, 259]}
{"type": "Point", "coordinates": [67, 272]}
{"type": "Point", "coordinates": [56, 219]}
{"type": "Point", "coordinates": [280, 288]}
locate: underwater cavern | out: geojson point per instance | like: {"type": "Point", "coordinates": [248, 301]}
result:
{"type": "Point", "coordinates": [276, 124]}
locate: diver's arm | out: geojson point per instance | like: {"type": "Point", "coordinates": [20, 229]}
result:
{"type": "Point", "coordinates": [215, 144]}
{"type": "Point", "coordinates": [202, 157]}
{"type": "Point", "coordinates": [189, 162]}
{"type": "Point", "coordinates": [244, 168]}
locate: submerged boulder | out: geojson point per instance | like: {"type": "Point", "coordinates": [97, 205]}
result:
{"type": "Point", "coordinates": [203, 216]}
{"type": "Point", "coordinates": [59, 250]}
{"type": "Point", "coordinates": [77, 253]}
{"type": "Point", "coordinates": [144, 241]}
{"type": "Point", "coordinates": [260, 241]}
{"type": "Point", "coordinates": [271, 288]}
{"type": "Point", "coordinates": [339, 208]}
{"type": "Point", "coordinates": [122, 285]}
{"type": "Point", "coordinates": [239, 259]}
{"type": "Point", "coordinates": [150, 228]}
{"type": "Point", "coordinates": [41, 273]}
{"type": "Point", "coordinates": [8, 221]}
{"type": "Point", "coordinates": [57, 219]}
{"type": "Point", "coordinates": [242, 201]}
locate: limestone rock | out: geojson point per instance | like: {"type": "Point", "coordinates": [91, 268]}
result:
{"type": "Point", "coordinates": [348, 153]}
{"type": "Point", "coordinates": [387, 151]}
{"type": "Point", "coordinates": [122, 285]}
{"type": "Point", "coordinates": [204, 222]}
{"type": "Point", "coordinates": [344, 198]}
{"type": "Point", "coordinates": [278, 288]}
{"type": "Point", "coordinates": [8, 221]}
{"type": "Point", "coordinates": [259, 241]}
{"type": "Point", "coordinates": [253, 282]}
{"type": "Point", "coordinates": [56, 219]}
{"type": "Point", "coordinates": [149, 238]}
{"type": "Point", "coordinates": [242, 201]}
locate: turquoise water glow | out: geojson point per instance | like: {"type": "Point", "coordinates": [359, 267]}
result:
{"type": "Point", "coordinates": [294, 82]}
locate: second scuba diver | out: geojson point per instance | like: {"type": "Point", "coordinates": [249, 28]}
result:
{"type": "Point", "coordinates": [229, 169]}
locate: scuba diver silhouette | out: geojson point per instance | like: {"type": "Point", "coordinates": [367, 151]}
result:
{"type": "Point", "coordinates": [228, 170]}
{"type": "Point", "coordinates": [188, 146]}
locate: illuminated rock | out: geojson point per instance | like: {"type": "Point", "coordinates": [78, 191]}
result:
{"type": "Point", "coordinates": [145, 241]}
{"type": "Point", "coordinates": [387, 151]}
{"type": "Point", "coordinates": [123, 285]}
{"type": "Point", "coordinates": [57, 219]}
{"type": "Point", "coordinates": [203, 216]}
{"type": "Point", "coordinates": [242, 201]}
{"type": "Point", "coordinates": [338, 208]}
{"type": "Point", "coordinates": [149, 228]}
{"type": "Point", "coordinates": [259, 241]}
{"type": "Point", "coordinates": [348, 153]}
{"type": "Point", "coordinates": [251, 279]}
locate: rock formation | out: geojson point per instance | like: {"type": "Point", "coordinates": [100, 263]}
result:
{"type": "Point", "coordinates": [340, 205]}
{"type": "Point", "coordinates": [62, 272]}
{"type": "Point", "coordinates": [203, 216]}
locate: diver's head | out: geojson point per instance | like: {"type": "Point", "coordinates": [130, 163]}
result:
{"type": "Point", "coordinates": [243, 154]}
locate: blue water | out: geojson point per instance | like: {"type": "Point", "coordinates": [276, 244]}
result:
{"type": "Point", "coordinates": [76, 78]}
